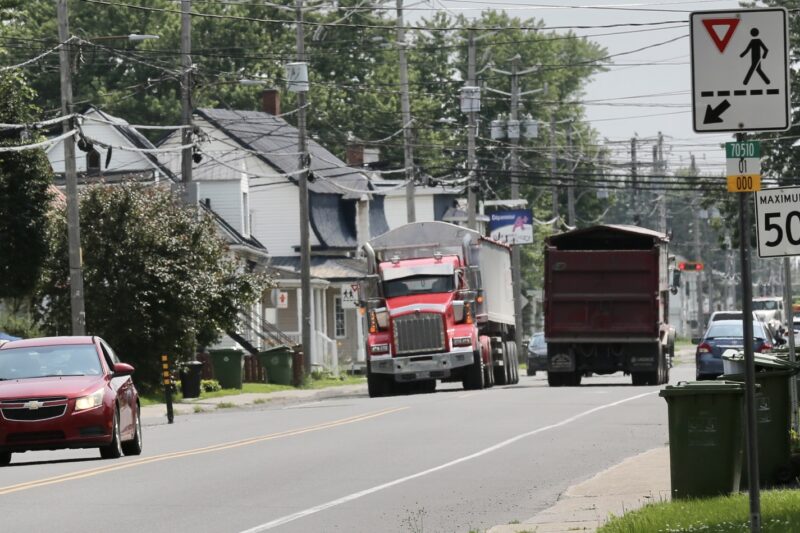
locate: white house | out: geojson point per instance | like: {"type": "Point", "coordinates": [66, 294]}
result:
{"type": "Point", "coordinates": [248, 175]}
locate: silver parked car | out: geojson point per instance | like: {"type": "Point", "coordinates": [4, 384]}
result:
{"type": "Point", "coordinates": [537, 354]}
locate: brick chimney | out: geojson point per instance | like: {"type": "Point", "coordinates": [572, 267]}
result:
{"type": "Point", "coordinates": [355, 155]}
{"type": "Point", "coordinates": [271, 101]}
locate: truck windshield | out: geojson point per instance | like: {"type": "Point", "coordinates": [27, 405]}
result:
{"type": "Point", "coordinates": [417, 284]}
{"type": "Point", "coordinates": [765, 305]}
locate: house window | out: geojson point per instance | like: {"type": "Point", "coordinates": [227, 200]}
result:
{"type": "Point", "coordinates": [93, 160]}
{"type": "Point", "coordinates": [340, 323]}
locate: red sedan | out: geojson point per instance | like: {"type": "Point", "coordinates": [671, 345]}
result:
{"type": "Point", "coordinates": [67, 392]}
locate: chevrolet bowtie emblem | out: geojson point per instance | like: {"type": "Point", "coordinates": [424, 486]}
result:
{"type": "Point", "coordinates": [33, 405]}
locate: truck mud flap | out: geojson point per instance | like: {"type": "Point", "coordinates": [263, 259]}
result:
{"type": "Point", "coordinates": [561, 362]}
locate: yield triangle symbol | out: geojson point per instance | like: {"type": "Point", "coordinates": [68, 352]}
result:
{"type": "Point", "coordinates": [721, 39]}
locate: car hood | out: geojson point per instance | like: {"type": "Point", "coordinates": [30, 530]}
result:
{"type": "Point", "coordinates": [69, 386]}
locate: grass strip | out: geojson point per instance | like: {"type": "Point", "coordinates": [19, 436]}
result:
{"type": "Point", "coordinates": [780, 513]}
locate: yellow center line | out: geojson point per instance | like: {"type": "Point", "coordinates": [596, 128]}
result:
{"type": "Point", "coordinates": [197, 451]}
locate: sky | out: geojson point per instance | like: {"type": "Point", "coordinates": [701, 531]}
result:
{"type": "Point", "coordinates": [645, 98]}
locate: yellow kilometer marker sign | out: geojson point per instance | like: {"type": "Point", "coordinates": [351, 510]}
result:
{"type": "Point", "coordinates": [743, 161]}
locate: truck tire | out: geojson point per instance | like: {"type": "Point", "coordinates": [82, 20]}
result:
{"type": "Point", "coordinates": [509, 363]}
{"type": "Point", "coordinates": [500, 372]}
{"type": "Point", "coordinates": [516, 364]}
{"type": "Point", "coordinates": [379, 385]}
{"type": "Point", "coordinates": [473, 376]}
{"type": "Point", "coordinates": [554, 379]}
{"type": "Point", "coordinates": [572, 379]}
{"type": "Point", "coordinates": [488, 376]}
{"type": "Point", "coordinates": [530, 371]}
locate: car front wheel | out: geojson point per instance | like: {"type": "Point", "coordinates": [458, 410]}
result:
{"type": "Point", "coordinates": [5, 458]}
{"type": "Point", "coordinates": [113, 450]}
{"type": "Point", "coordinates": [134, 446]}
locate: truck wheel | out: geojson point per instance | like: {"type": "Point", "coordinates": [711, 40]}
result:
{"type": "Point", "coordinates": [488, 376]}
{"type": "Point", "coordinates": [554, 379]}
{"type": "Point", "coordinates": [508, 358]}
{"type": "Point", "coordinates": [473, 377]}
{"type": "Point", "coordinates": [530, 371]}
{"type": "Point", "coordinates": [514, 363]}
{"type": "Point", "coordinates": [378, 385]}
{"type": "Point", "coordinates": [572, 379]}
{"type": "Point", "coordinates": [639, 378]}
{"type": "Point", "coordinates": [500, 371]}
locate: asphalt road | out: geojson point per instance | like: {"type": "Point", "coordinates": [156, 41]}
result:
{"type": "Point", "coordinates": [453, 461]}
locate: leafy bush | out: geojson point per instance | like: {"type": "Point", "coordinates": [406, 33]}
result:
{"type": "Point", "coordinates": [158, 277]}
{"type": "Point", "coordinates": [19, 326]}
{"type": "Point", "coordinates": [210, 385]}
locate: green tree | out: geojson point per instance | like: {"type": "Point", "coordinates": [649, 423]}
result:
{"type": "Point", "coordinates": [158, 278]}
{"type": "Point", "coordinates": [25, 177]}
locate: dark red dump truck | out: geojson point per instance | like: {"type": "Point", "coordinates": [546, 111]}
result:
{"type": "Point", "coordinates": [606, 303]}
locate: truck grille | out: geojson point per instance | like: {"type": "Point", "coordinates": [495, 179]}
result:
{"type": "Point", "coordinates": [418, 333]}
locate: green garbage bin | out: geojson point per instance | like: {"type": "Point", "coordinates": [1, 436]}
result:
{"type": "Point", "coordinates": [773, 417]}
{"type": "Point", "coordinates": [277, 362]}
{"type": "Point", "coordinates": [227, 367]}
{"type": "Point", "coordinates": [705, 437]}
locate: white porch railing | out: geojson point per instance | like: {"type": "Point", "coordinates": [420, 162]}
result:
{"type": "Point", "coordinates": [329, 352]}
{"type": "Point", "coordinates": [325, 351]}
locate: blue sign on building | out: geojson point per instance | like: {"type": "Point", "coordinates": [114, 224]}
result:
{"type": "Point", "coordinates": [511, 227]}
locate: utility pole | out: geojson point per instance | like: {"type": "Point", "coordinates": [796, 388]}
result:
{"type": "Point", "coordinates": [408, 149]}
{"type": "Point", "coordinates": [302, 178]}
{"type": "Point", "coordinates": [186, 102]}
{"type": "Point", "coordinates": [516, 265]}
{"type": "Point", "coordinates": [635, 183]}
{"type": "Point", "coordinates": [472, 182]}
{"type": "Point", "coordinates": [553, 166]}
{"type": "Point", "coordinates": [661, 173]}
{"type": "Point", "coordinates": [789, 319]}
{"type": "Point", "coordinates": [571, 187]}
{"type": "Point", "coordinates": [698, 257]}
{"type": "Point", "coordinates": [77, 312]}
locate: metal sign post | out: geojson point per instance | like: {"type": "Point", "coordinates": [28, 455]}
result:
{"type": "Point", "coordinates": [740, 83]}
{"type": "Point", "coordinates": [750, 378]}
{"type": "Point", "coordinates": [789, 316]}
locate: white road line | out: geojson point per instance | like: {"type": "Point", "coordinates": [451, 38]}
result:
{"type": "Point", "coordinates": [356, 495]}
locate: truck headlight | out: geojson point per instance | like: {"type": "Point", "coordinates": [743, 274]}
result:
{"type": "Point", "coordinates": [462, 341]}
{"type": "Point", "coordinates": [91, 401]}
{"type": "Point", "coordinates": [376, 349]}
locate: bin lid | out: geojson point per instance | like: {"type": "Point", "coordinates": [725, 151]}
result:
{"type": "Point", "coordinates": [692, 388]}
{"type": "Point", "coordinates": [279, 348]}
{"type": "Point", "coordinates": [762, 360]}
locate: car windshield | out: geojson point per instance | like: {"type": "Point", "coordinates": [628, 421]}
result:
{"type": "Point", "coordinates": [537, 341]}
{"type": "Point", "coordinates": [418, 284]}
{"type": "Point", "coordinates": [733, 329]}
{"type": "Point", "coordinates": [765, 305]}
{"type": "Point", "coordinates": [42, 361]}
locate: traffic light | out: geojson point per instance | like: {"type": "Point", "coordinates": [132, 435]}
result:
{"type": "Point", "coordinates": [690, 266]}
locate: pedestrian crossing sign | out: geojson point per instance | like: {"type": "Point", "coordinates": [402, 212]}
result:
{"type": "Point", "coordinates": [740, 76]}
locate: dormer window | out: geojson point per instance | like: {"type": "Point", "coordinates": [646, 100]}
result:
{"type": "Point", "coordinates": [93, 161]}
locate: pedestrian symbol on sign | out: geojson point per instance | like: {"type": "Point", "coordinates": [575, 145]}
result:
{"type": "Point", "coordinates": [755, 47]}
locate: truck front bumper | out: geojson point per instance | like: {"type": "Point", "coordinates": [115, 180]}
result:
{"type": "Point", "coordinates": [422, 367]}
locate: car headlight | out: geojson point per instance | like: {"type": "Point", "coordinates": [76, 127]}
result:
{"type": "Point", "coordinates": [91, 401]}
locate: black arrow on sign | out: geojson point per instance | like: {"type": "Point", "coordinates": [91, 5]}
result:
{"type": "Point", "coordinates": [714, 115]}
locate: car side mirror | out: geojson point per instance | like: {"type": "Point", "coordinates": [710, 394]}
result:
{"type": "Point", "coordinates": [123, 369]}
{"type": "Point", "coordinates": [695, 340]}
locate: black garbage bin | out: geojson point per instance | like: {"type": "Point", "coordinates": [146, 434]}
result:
{"type": "Point", "coordinates": [191, 375]}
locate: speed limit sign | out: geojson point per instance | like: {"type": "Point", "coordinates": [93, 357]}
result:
{"type": "Point", "coordinates": [778, 221]}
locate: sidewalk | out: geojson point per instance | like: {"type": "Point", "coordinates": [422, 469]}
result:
{"type": "Point", "coordinates": [635, 482]}
{"type": "Point", "coordinates": [153, 413]}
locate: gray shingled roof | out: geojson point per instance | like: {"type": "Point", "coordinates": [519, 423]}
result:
{"type": "Point", "coordinates": [276, 141]}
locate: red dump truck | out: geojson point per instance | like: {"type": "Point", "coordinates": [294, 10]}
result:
{"type": "Point", "coordinates": [606, 305]}
{"type": "Point", "coordinates": [439, 305]}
